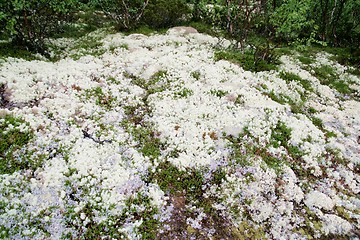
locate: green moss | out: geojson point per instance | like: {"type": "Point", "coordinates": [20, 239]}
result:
{"type": "Point", "coordinates": [283, 99]}
{"type": "Point", "coordinates": [318, 122]}
{"type": "Point", "coordinates": [183, 93]}
{"type": "Point", "coordinates": [196, 75]}
{"type": "Point", "coordinates": [13, 154]}
{"type": "Point", "coordinates": [273, 163]}
{"type": "Point", "coordinates": [237, 153]}
{"type": "Point", "coordinates": [330, 134]}
{"type": "Point", "coordinates": [280, 135]}
{"type": "Point", "coordinates": [312, 110]}
{"type": "Point", "coordinates": [8, 49]}
{"type": "Point", "coordinates": [171, 179]}
{"type": "Point", "coordinates": [218, 176]}
{"type": "Point", "coordinates": [289, 77]}
{"type": "Point", "coordinates": [306, 60]}
{"type": "Point", "coordinates": [149, 227]}
{"type": "Point", "coordinates": [218, 93]}
{"type": "Point", "coordinates": [247, 231]}
{"type": "Point", "coordinates": [158, 82]}
{"type": "Point", "coordinates": [247, 60]}
{"type": "Point", "coordinates": [284, 51]}
{"type": "Point", "coordinates": [135, 208]}
{"type": "Point", "coordinates": [101, 99]}
{"type": "Point", "coordinates": [327, 76]}
{"type": "Point", "coordinates": [209, 29]}
{"type": "Point", "coordinates": [146, 136]}
{"type": "Point", "coordinates": [342, 87]}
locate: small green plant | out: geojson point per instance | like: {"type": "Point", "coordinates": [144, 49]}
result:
{"type": "Point", "coordinates": [171, 179]}
{"type": "Point", "coordinates": [318, 122]}
{"type": "Point", "coordinates": [127, 14]}
{"type": "Point", "coordinates": [164, 13]}
{"type": "Point", "coordinates": [250, 60]}
{"type": "Point", "coordinates": [140, 206]}
{"type": "Point", "coordinates": [312, 110]}
{"type": "Point", "coordinates": [158, 82]}
{"type": "Point", "coordinates": [280, 135]}
{"type": "Point", "coordinates": [327, 76]}
{"type": "Point", "coordinates": [283, 99]}
{"type": "Point", "coordinates": [11, 49]}
{"type": "Point", "coordinates": [289, 77]}
{"type": "Point", "coordinates": [31, 23]}
{"type": "Point", "coordinates": [273, 162]}
{"type": "Point", "coordinates": [114, 47]}
{"type": "Point", "coordinates": [218, 93]}
{"type": "Point", "coordinates": [196, 75]}
{"type": "Point", "coordinates": [240, 150]}
{"type": "Point", "coordinates": [15, 135]}
{"type": "Point", "coordinates": [330, 134]}
{"type": "Point", "coordinates": [183, 93]}
{"type": "Point", "coordinates": [306, 60]}
{"type": "Point", "coordinates": [101, 99]}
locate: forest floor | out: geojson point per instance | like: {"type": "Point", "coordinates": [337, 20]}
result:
{"type": "Point", "coordinates": [152, 137]}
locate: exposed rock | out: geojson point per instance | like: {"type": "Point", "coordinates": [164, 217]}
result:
{"type": "Point", "coordinates": [182, 30]}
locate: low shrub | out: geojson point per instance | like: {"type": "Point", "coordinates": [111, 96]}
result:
{"type": "Point", "coordinates": [165, 13]}
{"type": "Point", "coordinates": [126, 14]}
{"type": "Point", "coordinates": [30, 23]}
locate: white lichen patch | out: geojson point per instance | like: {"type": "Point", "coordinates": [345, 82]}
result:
{"type": "Point", "coordinates": [152, 137]}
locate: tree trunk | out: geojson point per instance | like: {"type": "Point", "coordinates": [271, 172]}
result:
{"type": "Point", "coordinates": [336, 20]}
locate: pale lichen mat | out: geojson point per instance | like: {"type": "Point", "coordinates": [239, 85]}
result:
{"type": "Point", "coordinates": [152, 138]}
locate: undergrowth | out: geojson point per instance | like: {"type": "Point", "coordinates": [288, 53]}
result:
{"type": "Point", "coordinates": [15, 135]}
{"type": "Point", "coordinates": [250, 60]}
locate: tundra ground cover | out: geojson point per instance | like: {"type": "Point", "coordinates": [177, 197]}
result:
{"type": "Point", "coordinates": [152, 137]}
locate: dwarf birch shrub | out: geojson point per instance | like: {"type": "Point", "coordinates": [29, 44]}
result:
{"type": "Point", "coordinates": [165, 13]}
{"type": "Point", "coordinates": [31, 22]}
{"type": "Point", "coordinates": [127, 14]}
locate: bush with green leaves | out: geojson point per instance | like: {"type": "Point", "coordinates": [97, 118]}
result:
{"type": "Point", "coordinates": [291, 20]}
{"type": "Point", "coordinates": [339, 21]}
{"type": "Point", "coordinates": [165, 13]}
{"type": "Point", "coordinates": [31, 22]}
{"type": "Point", "coordinates": [126, 14]}
{"type": "Point", "coordinates": [15, 135]}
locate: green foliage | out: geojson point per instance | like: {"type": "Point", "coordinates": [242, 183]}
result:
{"type": "Point", "coordinates": [206, 28]}
{"type": "Point", "coordinates": [101, 99]}
{"type": "Point", "coordinates": [83, 22]}
{"type": "Point", "coordinates": [136, 207]}
{"type": "Point", "coordinates": [164, 13]}
{"type": "Point", "coordinates": [218, 93]}
{"type": "Point", "coordinates": [31, 22]}
{"type": "Point", "coordinates": [140, 206]}
{"type": "Point", "coordinates": [306, 60]}
{"type": "Point", "coordinates": [158, 82]}
{"type": "Point", "coordinates": [249, 60]}
{"type": "Point", "coordinates": [289, 77]}
{"type": "Point", "coordinates": [327, 76]}
{"type": "Point", "coordinates": [196, 75]}
{"type": "Point", "coordinates": [214, 15]}
{"type": "Point", "coordinates": [291, 20]}
{"type": "Point", "coordinates": [349, 56]}
{"type": "Point", "coordinates": [240, 150]}
{"type": "Point", "coordinates": [126, 14]}
{"type": "Point", "coordinates": [13, 140]}
{"type": "Point", "coordinates": [338, 21]}
{"type": "Point", "coordinates": [183, 93]}
{"type": "Point", "coordinates": [9, 49]}
{"type": "Point", "coordinates": [283, 99]}
{"type": "Point", "coordinates": [171, 179]}
{"type": "Point", "coordinates": [280, 135]}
